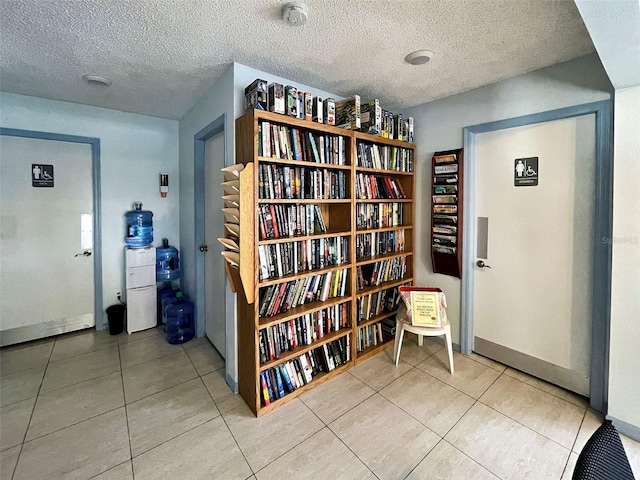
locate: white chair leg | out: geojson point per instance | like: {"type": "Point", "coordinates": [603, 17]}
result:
{"type": "Point", "coordinates": [395, 341]}
{"type": "Point", "coordinates": [447, 337]}
{"type": "Point", "coordinates": [399, 340]}
{"type": "Point", "coordinates": [420, 340]}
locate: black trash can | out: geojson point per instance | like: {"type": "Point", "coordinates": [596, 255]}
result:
{"type": "Point", "coordinates": [116, 318]}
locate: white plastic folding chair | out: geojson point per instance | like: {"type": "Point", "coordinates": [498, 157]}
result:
{"type": "Point", "coordinates": [422, 312]}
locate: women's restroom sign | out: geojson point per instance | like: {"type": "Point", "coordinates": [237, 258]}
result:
{"type": "Point", "coordinates": [525, 172]}
{"type": "Point", "coordinates": [41, 175]}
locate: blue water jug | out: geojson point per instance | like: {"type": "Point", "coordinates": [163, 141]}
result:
{"type": "Point", "coordinates": [139, 226]}
{"type": "Point", "coordinates": [167, 262]}
{"type": "Point", "coordinates": [166, 291]}
{"type": "Point", "coordinates": [180, 325]}
{"type": "Point", "coordinates": [168, 300]}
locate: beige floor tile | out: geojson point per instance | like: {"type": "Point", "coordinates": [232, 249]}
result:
{"type": "Point", "coordinates": [80, 451]}
{"type": "Point", "coordinates": [470, 377]}
{"type": "Point", "coordinates": [574, 398]}
{"type": "Point", "coordinates": [25, 357]}
{"type": "Point", "coordinates": [289, 425]}
{"type": "Point", "coordinates": [427, 399]}
{"type": "Point", "coordinates": [123, 471]}
{"type": "Point", "coordinates": [632, 448]}
{"type": "Point", "coordinates": [196, 342]}
{"type": "Point", "coordinates": [571, 465]}
{"type": "Point", "coordinates": [592, 420]}
{"type": "Point", "coordinates": [388, 440]}
{"type": "Point", "coordinates": [445, 462]}
{"type": "Point", "coordinates": [86, 341]}
{"type": "Point", "coordinates": [152, 377]}
{"type": "Point", "coordinates": [20, 385]}
{"type": "Point", "coordinates": [412, 353]}
{"type": "Point", "coordinates": [322, 456]}
{"type": "Point", "coordinates": [8, 460]}
{"type": "Point", "coordinates": [125, 338]}
{"type": "Point", "coordinates": [547, 414]}
{"type": "Point", "coordinates": [206, 358]}
{"type": "Point", "coordinates": [77, 369]}
{"type": "Point", "coordinates": [76, 403]}
{"type": "Point", "coordinates": [150, 348]}
{"type": "Point", "coordinates": [487, 362]}
{"type": "Point", "coordinates": [208, 451]}
{"type": "Point", "coordinates": [167, 414]}
{"type": "Point", "coordinates": [522, 453]}
{"type": "Point", "coordinates": [14, 420]}
{"type": "Point", "coordinates": [222, 395]}
{"type": "Point", "coordinates": [380, 370]}
{"type": "Point", "coordinates": [336, 396]}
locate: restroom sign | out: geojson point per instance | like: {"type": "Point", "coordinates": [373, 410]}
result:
{"type": "Point", "coordinates": [41, 175]}
{"type": "Point", "coordinates": [525, 172]}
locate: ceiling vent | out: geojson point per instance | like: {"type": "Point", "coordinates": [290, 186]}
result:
{"type": "Point", "coordinates": [419, 57]}
{"type": "Point", "coordinates": [96, 80]}
{"type": "Point", "coordinates": [295, 14]}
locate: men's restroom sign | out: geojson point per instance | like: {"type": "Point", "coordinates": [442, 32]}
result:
{"type": "Point", "coordinates": [41, 175]}
{"type": "Point", "coordinates": [525, 172]}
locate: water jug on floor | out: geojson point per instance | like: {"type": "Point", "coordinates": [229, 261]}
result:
{"type": "Point", "coordinates": [139, 227]}
{"type": "Point", "coordinates": [166, 291]}
{"type": "Point", "coordinates": [180, 325]}
{"type": "Point", "coordinates": [167, 262]}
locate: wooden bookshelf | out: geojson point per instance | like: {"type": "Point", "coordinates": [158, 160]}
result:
{"type": "Point", "coordinates": [300, 289]}
{"type": "Point", "coordinates": [446, 212]}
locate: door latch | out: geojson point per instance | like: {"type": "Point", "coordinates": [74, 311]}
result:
{"type": "Point", "coordinates": [204, 248]}
{"type": "Point", "coordinates": [481, 264]}
{"type": "Point", "coordinates": [86, 253]}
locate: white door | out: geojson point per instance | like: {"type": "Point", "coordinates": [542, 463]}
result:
{"type": "Point", "coordinates": [46, 198]}
{"type": "Point", "coordinates": [215, 277]}
{"type": "Point", "coordinates": [532, 308]}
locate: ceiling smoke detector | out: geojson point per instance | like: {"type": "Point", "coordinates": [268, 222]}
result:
{"type": "Point", "coordinates": [295, 14]}
{"type": "Point", "coordinates": [419, 57]}
{"type": "Point", "coordinates": [96, 80]}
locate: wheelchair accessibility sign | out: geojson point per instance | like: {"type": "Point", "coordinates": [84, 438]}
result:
{"type": "Point", "coordinates": [525, 173]}
{"type": "Point", "coordinates": [41, 175]}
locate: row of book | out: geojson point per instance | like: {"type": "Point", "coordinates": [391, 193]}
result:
{"type": "Point", "coordinates": [279, 259]}
{"type": "Point", "coordinates": [377, 273]}
{"type": "Point", "coordinates": [369, 336]}
{"type": "Point", "coordinates": [277, 221]}
{"type": "Point", "coordinates": [283, 182]}
{"type": "Point", "coordinates": [279, 298]}
{"type": "Point", "coordinates": [377, 121]}
{"type": "Point", "coordinates": [280, 141]}
{"type": "Point", "coordinates": [278, 381]}
{"type": "Point", "coordinates": [377, 303]}
{"type": "Point", "coordinates": [379, 215]}
{"type": "Point", "coordinates": [384, 157]}
{"type": "Point", "coordinates": [302, 331]}
{"type": "Point", "coordinates": [379, 243]}
{"type": "Point", "coordinates": [375, 186]}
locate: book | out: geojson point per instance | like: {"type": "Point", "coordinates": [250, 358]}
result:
{"type": "Point", "coordinates": [329, 110]}
{"type": "Point", "coordinates": [276, 98]}
{"type": "Point", "coordinates": [316, 113]}
{"type": "Point", "coordinates": [348, 113]}
{"type": "Point", "coordinates": [445, 168]}
{"type": "Point", "coordinates": [308, 106]}
{"type": "Point", "coordinates": [291, 101]}
{"type": "Point", "coordinates": [255, 95]}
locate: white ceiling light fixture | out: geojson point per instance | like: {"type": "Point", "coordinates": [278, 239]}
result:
{"type": "Point", "coordinates": [97, 80]}
{"type": "Point", "coordinates": [295, 13]}
{"type": "Point", "coordinates": [419, 57]}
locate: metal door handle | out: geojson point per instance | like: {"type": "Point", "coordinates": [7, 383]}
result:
{"type": "Point", "coordinates": [204, 248]}
{"type": "Point", "coordinates": [86, 253]}
{"type": "Point", "coordinates": [481, 264]}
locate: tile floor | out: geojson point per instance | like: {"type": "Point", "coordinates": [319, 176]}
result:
{"type": "Point", "coordinates": [89, 405]}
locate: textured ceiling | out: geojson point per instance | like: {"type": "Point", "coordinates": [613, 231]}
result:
{"type": "Point", "coordinates": [163, 55]}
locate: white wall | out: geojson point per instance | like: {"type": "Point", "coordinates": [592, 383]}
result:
{"type": "Point", "coordinates": [624, 361]}
{"type": "Point", "coordinates": [439, 126]}
{"type": "Point", "coordinates": [134, 149]}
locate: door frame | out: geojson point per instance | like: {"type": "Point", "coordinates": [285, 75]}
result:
{"type": "Point", "coordinates": [97, 212]}
{"type": "Point", "coordinates": [219, 125]}
{"type": "Point", "coordinates": [603, 228]}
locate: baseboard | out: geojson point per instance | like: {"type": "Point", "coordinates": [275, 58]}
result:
{"type": "Point", "coordinates": [555, 374]}
{"type": "Point", "coordinates": [631, 431]}
{"type": "Point", "coordinates": [232, 385]}
{"type": "Point", "coordinates": [46, 329]}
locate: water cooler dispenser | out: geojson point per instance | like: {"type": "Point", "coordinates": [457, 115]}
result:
{"type": "Point", "coordinates": [140, 270]}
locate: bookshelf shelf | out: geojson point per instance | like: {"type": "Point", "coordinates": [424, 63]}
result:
{"type": "Point", "coordinates": [270, 223]}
